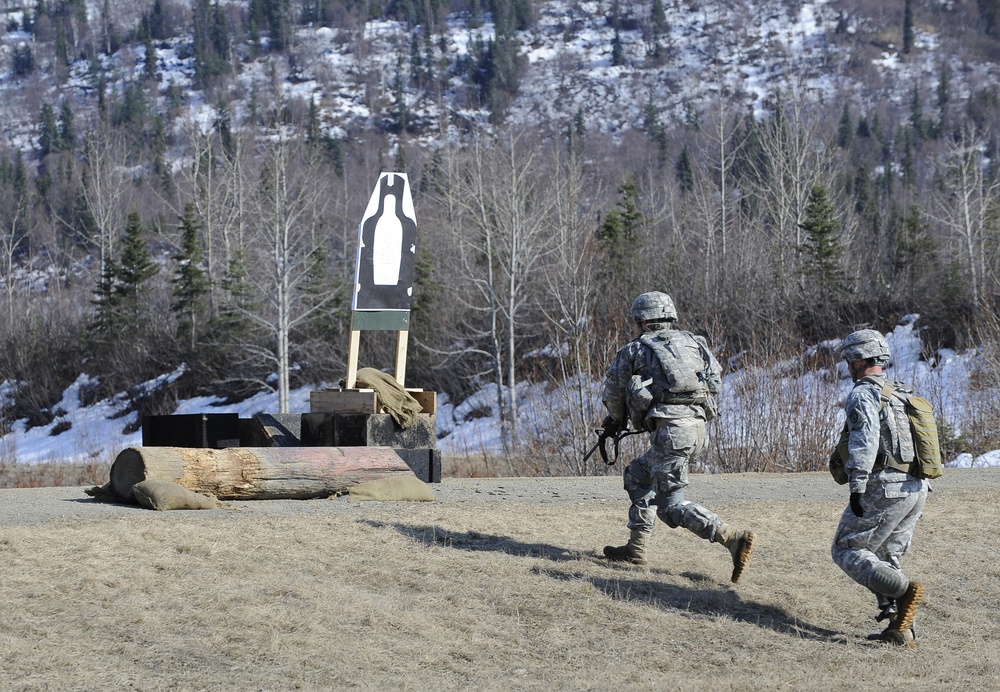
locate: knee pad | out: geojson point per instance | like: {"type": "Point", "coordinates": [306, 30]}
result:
{"type": "Point", "coordinates": [887, 581]}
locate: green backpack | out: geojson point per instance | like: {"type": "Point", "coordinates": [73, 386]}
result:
{"type": "Point", "coordinates": [926, 446]}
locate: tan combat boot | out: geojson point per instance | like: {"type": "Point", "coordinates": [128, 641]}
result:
{"type": "Point", "coordinates": [634, 551]}
{"type": "Point", "coordinates": [906, 607]}
{"type": "Point", "coordinates": [739, 544]}
{"type": "Point", "coordinates": [893, 635]}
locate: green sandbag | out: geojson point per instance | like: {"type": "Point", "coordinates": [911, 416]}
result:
{"type": "Point", "coordinates": [404, 488]}
{"type": "Point", "coordinates": [156, 493]}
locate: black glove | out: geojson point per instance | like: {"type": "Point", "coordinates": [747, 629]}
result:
{"type": "Point", "coordinates": [611, 426]}
{"type": "Point", "coordinates": [856, 507]}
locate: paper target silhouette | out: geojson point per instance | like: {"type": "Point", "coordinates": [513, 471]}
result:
{"type": "Point", "coordinates": [386, 247]}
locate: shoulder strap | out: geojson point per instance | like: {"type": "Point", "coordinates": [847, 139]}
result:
{"type": "Point", "coordinates": [886, 387]}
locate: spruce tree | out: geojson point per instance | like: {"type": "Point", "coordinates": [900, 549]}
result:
{"type": "Point", "coordinates": [822, 246]}
{"type": "Point", "coordinates": [845, 131]}
{"type": "Point", "coordinates": [685, 171]}
{"type": "Point", "coordinates": [190, 285]}
{"type": "Point", "coordinates": [907, 26]}
{"type": "Point", "coordinates": [824, 289]}
{"type": "Point", "coordinates": [135, 268]}
{"type": "Point", "coordinates": [48, 131]}
{"type": "Point", "coordinates": [67, 134]}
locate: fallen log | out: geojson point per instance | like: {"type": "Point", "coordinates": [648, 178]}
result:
{"type": "Point", "coordinates": [257, 473]}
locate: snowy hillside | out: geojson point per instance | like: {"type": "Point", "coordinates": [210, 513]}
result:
{"type": "Point", "coordinates": [819, 50]}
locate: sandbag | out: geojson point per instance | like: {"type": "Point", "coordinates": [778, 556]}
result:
{"type": "Point", "coordinates": [159, 494]}
{"type": "Point", "coordinates": [396, 401]}
{"type": "Point", "coordinates": [399, 489]}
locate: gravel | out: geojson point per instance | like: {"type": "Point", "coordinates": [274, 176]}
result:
{"type": "Point", "coordinates": [41, 505]}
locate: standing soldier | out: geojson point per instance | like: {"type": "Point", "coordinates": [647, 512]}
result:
{"type": "Point", "coordinates": [887, 498]}
{"type": "Point", "coordinates": [665, 382]}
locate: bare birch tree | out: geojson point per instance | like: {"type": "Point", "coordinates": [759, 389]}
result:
{"type": "Point", "coordinates": [501, 202]}
{"type": "Point", "coordinates": [569, 306]}
{"type": "Point", "coordinates": [967, 210]}
{"type": "Point", "coordinates": [106, 182]}
{"type": "Point", "coordinates": [288, 210]}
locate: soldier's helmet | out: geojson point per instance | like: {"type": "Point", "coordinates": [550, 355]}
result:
{"type": "Point", "coordinates": [653, 306]}
{"type": "Point", "coordinates": [864, 344]}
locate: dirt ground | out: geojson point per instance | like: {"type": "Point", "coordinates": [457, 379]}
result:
{"type": "Point", "coordinates": [498, 584]}
{"type": "Point", "coordinates": [38, 505]}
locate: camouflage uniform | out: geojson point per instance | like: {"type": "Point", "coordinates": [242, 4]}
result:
{"type": "Point", "coordinates": [656, 480]}
{"type": "Point", "coordinates": [893, 500]}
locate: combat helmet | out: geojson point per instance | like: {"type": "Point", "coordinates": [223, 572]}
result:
{"type": "Point", "coordinates": [864, 344]}
{"type": "Point", "coordinates": [653, 306]}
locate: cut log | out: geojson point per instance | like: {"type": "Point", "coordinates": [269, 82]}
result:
{"type": "Point", "coordinates": [257, 473]}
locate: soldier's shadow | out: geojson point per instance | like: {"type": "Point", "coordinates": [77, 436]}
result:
{"type": "Point", "coordinates": [694, 602]}
{"type": "Point", "coordinates": [685, 600]}
{"type": "Point", "coordinates": [477, 541]}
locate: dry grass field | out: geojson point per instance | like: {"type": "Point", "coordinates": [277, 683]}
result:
{"type": "Point", "coordinates": [496, 585]}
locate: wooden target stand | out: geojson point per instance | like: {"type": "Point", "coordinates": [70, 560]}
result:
{"type": "Point", "coordinates": [378, 320]}
{"type": "Point", "coordinates": [349, 399]}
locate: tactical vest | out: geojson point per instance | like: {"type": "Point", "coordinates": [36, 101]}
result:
{"type": "Point", "coordinates": [675, 372]}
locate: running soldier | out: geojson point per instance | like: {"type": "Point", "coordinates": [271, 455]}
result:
{"type": "Point", "coordinates": [887, 498]}
{"type": "Point", "coordinates": [665, 382]}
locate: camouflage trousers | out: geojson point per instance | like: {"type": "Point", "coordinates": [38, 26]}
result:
{"type": "Point", "coordinates": [656, 480]}
{"type": "Point", "coordinates": [893, 502]}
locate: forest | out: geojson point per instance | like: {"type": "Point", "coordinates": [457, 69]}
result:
{"type": "Point", "coordinates": [135, 242]}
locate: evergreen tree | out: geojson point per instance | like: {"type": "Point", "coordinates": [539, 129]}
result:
{"type": "Point", "coordinates": [399, 96]}
{"type": "Point", "coordinates": [149, 59]}
{"type": "Point", "coordinates": [658, 18]}
{"type": "Point", "coordinates": [105, 302]}
{"type": "Point", "coordinates": [917, 122]}
{"type": "Point", "coordinates": [274, 17]}
{"type": "Point", "coordinates": [312, 124]}
{"type": "Point", "coordinates": [824, 286]}
{"type": "Point", "coordinates": [48, 131]}
{"type": "Point", "coordinates": [617, 50]}
{"type": "Point", "coordinates": [210, 41]}
{"type": "Point", "coordinates": [320, 295]}
{"type": "Point", "coordinates": [685, 171]}
{"type": "Point", "coordinates": [864, 131]}
{"type": "Point", "coordinates": [907, 26]}
{"type": "Point", "coordinates": [822, 245]}
{"type": "Point", "coordinates": [190, 284]}
{"type": "Point", "coordinates": [134, 269]}
{"type": "Point", "coordinates": [989, 14]}
{"type": "Point", "coordinates": [845, 131]}
{"type": "Point", "coordinates": [22, 60]}
{"type": "Point", "coordinates": [656, 130]}
{"type": "Point", "coordinates": [943, 96]}
{"type": "Point", "coordinates": [67, 134]}
{"type": "Point", "coordinates": [621, 243]}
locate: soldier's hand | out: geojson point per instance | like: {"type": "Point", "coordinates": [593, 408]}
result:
{"type": "Point", "coordinates": [610, 425]}
{"type": "Point", "coordinates": [856, 507]}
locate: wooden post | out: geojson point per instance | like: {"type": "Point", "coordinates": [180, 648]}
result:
{"type": "Point", "coordinates": [401, 339]}
{"type": "Point", "coordinates": [378, 320]}
{"type": "Point", "coordinates": [352, 359]}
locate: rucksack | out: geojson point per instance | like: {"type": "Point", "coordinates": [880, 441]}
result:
{"type": "Point", "coordinates": [923, 429]}
{"type": "Point", "coordinates": [677, 363]}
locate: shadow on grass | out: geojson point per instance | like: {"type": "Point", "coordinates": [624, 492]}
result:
{"type": "Point", "coordinates": [702, 602]}
{"type": "Point", "coordinates": [706, 603]}
{"type": "Point", "coordinates": [476, 541]}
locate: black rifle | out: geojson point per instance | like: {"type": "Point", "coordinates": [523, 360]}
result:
{"type": "Point", "coordinates": [610, 431]}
